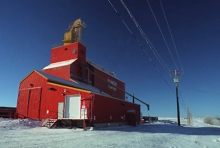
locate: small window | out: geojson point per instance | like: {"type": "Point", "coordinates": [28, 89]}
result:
{"type": "Point", "coordinates": [74, 51]}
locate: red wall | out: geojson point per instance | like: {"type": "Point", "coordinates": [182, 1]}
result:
{"type": "Point", "coordinates": [106, 87]}
{"type": "Point", "coordinates": [62, 72]}
{"type": "Point", "coordinates": [68, 52]}
{"type": "Point", "coordinates": [30, 96]}
{"type": "Point", "coordinates": [78, 70]}
{"type": "Point", "coordinates": [73, 51]}
{"type": "Point", "coordinates": [37, 100]}
{"type": "Point", "coordinates": [41, 99]}
{"type": "Point", "coordinates": [104, 107]}
{"type": "Point", "coordinates": [55, 96]}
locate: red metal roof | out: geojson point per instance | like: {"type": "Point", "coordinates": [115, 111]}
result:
{"type": "Point", "coordinates": [72, 83]}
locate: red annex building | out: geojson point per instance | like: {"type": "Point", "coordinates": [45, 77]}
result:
{"type": "Point", "coordinates": [75, 91]}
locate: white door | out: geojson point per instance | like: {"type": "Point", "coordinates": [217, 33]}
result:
{"type": "Point", "coordinates": [60, 110]}
{"type": "Point", "coordinates": [72, 107]}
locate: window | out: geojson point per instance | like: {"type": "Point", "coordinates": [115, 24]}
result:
{"type": "Point", "coordinates": [74, 51]}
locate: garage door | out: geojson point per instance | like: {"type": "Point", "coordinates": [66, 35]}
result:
{"type": "Point", "coordinates": [34, 103]}
{"type": "Point", "coordinates": [28, 105]}
{"type": "Point", "coordinates": [22, 103]}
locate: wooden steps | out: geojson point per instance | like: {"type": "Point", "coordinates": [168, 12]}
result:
{"type": "Point", "coordinates": [49, 123]}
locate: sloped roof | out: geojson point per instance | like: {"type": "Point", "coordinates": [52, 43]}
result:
{"type": "Point", "coordinates": [74, 83]}
{"type": "Point", "coordinates": [60, 64]}
{"type": "Point", "coordinates": [100, 68]}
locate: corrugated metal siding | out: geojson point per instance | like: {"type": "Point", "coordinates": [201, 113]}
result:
{"type": "Point", "coordinates": [29, 96]}
{"type": "Point", "coordinates": [62, 72]}
{"type": "Point", "coordinates": [75, 70]}
{"type": "Point", "coordinates": [106, 87]}
{"type": "Point", "coordinates": [71, 83]}
{"type": "Point", "coordinates": [34, 103]}
{"type": "Point", "coordinates": [108, 110]}
{"type": "Point", "coordinates": [38, 101]}
{"type": "Point", "coordinates": [40, 93]}
{"type": "Point", "coordinates": [82, 52]}
{"type": "Point", "coordinates": [22, 103]}
{"type": "Point", "coordinates": [68, 52]}
{"type": "Point", "coordinates": [52, 97]}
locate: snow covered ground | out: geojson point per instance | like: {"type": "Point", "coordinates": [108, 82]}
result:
{"type": "Point", "coordinates": [162, 134]}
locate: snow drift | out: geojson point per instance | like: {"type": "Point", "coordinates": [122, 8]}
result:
{"type": "Point", "coordinates": [212, 121]}
{"type": "Point", "coordinates": [161, 134]}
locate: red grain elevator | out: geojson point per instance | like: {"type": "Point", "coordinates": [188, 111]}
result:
{"type": "Point", "coordinates": [75, 89]}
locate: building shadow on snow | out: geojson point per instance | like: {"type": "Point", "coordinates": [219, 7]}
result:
{"type": "Point", "coordinates": [166, 126]}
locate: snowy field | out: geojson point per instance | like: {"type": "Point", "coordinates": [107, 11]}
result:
{"type": "Point", "coordinates": [162, 134]}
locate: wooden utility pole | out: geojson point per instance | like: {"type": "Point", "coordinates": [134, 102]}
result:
{"type": "Point", "coordinates": [176, 80]}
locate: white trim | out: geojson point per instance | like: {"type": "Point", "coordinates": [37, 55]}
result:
{"type": "Point", "coordinates": [60, 64]}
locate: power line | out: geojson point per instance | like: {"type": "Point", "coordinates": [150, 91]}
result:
{"type": "Point", "coordinates": [148, 106]}
{"type": "Point", "coordinates": [165, 67]}
{"type": "Point", "coordinates": [171, 35]}
{"type": "Point", "coordinates": [147, 39]}
{"type": "Point", "coordinates": [203, 91]}
{"type": "Point", "coordinates": [162, 34]}
{"type": "Point", "coordinates": [140, 45]}
{"type": "Point", "coordinates": [152, 48]}
{"type": "Point", "coordinates": [181, 99]}
{"type": "Point", "coordinates": [168, 26]}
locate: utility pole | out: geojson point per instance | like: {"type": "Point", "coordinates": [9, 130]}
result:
{"type": "Point", "coordinates": [176, 80]}
{"type": "Point", "coordinates": [133, 98]}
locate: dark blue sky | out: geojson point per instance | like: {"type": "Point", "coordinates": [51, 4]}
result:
{"type": "Point", "coordinates": [29, 29]}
